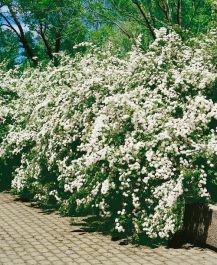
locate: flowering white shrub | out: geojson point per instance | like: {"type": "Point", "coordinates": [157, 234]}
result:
{"type": "Point", "coordinates": [131, 138]}
{"type": "Point", "coordinates": [7, 98]}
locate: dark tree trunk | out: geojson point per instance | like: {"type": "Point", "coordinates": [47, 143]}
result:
{"type": "Point", "coordinates": [179, 13]}
{"type": "Point", "coordinates": [21, 35]}
{"type": "Point", "coordinates": [46, 44]}
{"type": "Point", "coordinates": [58, 42]}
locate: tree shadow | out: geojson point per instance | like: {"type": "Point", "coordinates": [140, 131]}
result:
{"type": "Point", "coordinates": [89, 224]}
{"type": "Point", "coordinates": [96, 224]}
{"type": "Point", "coordinates": [197, 219]}
{"type": "Point", "coordinates": [48, 209]}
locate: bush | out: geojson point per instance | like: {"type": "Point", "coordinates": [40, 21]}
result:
{"type": "Point", "coordinates": [132, 139]}
{"type": "Point", "coordinates": [7, 97]}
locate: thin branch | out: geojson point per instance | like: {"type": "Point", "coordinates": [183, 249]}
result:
{"type": "Point", "coordinates": [164, 7]}
{"type": "Point", "coordinates": [150, 9]}
{"type": "Point", "coordinates": [196, 7]}
{"type": "Point", "coordinates": [130, 36]}
{"type": "Point", "coordinates": [41, 32]}
{"type": "Point", "coordinates": [147, 22]}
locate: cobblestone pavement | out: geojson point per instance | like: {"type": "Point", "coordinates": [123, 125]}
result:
{"type": "Point", "coordinates": [29, 236]}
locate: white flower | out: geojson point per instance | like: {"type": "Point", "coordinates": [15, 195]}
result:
{"type": "Point", "coordinates": [121, 134]}
{"type": "Point", "coordinates": [105, 186]}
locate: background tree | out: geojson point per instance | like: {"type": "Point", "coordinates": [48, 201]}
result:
{"type": "Point", "coordinates": [37, 29]}
{"type": "Point", "coordinates": [43, 27]}
{"type": "Point", "coordinates": [187, 17]}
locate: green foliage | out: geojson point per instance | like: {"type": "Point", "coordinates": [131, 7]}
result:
{"type": "Point", "coordinates": [130, 138]}
{"type": "Point", "coordinates": [41, 28]}
{"type": "Point", "coordinates": [9, 48]}
{"type": "Point", "coordinates": [53, 26]}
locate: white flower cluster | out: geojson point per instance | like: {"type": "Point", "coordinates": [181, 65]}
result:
{"type": "Point", "coordinates": [133, 137]}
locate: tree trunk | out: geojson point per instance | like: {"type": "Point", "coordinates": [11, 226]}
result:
{"type": "Point", "coordinates": [46, 44]}
{"type": "Point", "coordinates": [179, 13]}
{"type": "Point", "coordinates": [21, 35]}
{"type": "Point", "coordinates": [58, 42]}
{"type": "Point", "coordinates": [29, 52]}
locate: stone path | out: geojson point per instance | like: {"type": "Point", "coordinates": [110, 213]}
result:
{"type": "Point", "coordinates": [29, 236]}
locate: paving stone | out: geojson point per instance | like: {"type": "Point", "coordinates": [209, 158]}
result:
{"type": "Point", "coordinates": [29, 236]}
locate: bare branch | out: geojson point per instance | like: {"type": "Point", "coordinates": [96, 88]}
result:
{"type": "Point", "coordinates": [143, 14]}
{"type": "Point", "coordinates": [196, 7]}
{"type": "Point", "coordinates": [164, 7]}
{"type": "Point", "coordinates": [108, 20]}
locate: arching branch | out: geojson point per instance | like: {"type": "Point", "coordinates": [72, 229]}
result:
{"type": "Point", "coordinates": [145, 17]}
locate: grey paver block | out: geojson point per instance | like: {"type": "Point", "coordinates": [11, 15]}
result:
{"type": "Point", "coordinates": [28, 236]}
